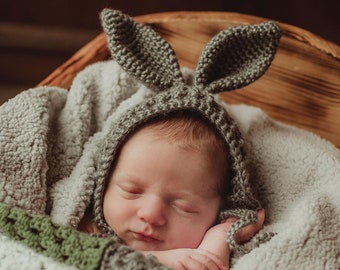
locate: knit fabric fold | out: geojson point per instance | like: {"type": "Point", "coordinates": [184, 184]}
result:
{"type": "Point", "coordinates": [62, 243]}
{"type": "Point", "coordinates": [67, 245]}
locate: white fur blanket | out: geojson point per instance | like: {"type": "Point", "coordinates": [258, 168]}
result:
{"type": "Point", "coordinates": [48, 136]}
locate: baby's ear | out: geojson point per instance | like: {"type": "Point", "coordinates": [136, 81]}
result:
{"type": "Point", "coordinates": [140, 50]}
{"type": "Point", "coordinates": [237, 56]}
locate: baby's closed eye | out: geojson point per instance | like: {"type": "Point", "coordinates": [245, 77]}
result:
{"type": "Point", "coordinates": [130, 192]}
{"type": "Point", "coordinates": [185, 207]}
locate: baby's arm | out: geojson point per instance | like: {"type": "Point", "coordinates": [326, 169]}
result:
{"type": "Point", "coordinates": [213, 252]}
{"type": "Point", "coordinates": [188, 259]}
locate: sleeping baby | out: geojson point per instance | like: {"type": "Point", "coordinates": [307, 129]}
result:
{"type": "Point", "coordinates": [164, 182]}
{"type": "Point", "coordinates": [165, 191]}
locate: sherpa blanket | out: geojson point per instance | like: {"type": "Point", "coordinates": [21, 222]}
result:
{"type": "Point", "coordinates": [48, 136]}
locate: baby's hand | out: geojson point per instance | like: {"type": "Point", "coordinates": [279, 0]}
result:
{"type": "Point", "coordinates": [214, 239]}
{"type": "Point", "coordinates": [246, 233]}
{"type": "Point", "coordinates": [213, 252]}
{"type": "Point", "coordinates": [189, 259]}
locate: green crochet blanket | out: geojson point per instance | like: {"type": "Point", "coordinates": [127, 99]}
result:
{"type": "Point", "coordinates": [68, 246]}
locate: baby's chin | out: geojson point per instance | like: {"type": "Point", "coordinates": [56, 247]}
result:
{"type": "Point", "coordinates": [145, 246]}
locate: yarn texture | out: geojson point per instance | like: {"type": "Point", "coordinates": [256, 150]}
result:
{"type": "Point", "coordinates": [67, 245]}
{"type": "Point", "coordinates": [232, 59]}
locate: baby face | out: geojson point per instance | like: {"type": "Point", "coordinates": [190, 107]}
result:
{"type": "Point", "coordinates": [160, 195]}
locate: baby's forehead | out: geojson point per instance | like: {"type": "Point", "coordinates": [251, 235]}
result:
{"type": "Point", "coordinates": [190, 132]}
{"type": "Point", "coordinates": [182, 126]}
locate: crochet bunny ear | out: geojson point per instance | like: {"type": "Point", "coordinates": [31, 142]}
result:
{"type": "Point", "coordinates": [140, 51]}
{"type": "Point", "coordinates": [236, 57]}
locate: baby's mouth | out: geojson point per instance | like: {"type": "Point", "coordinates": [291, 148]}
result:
{"type": "Point", "coordinates": [145, 238]}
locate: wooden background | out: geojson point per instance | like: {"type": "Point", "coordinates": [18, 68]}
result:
{"type": "Point", "coordinates": [301, 87]}
{"type": "Point", "coordinates": [37, 36]}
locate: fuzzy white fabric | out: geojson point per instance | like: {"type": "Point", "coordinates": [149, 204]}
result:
{"type": "Point", "coordinates": [299, 178]}
{"type": "Point", "coordinates": [48, 137]}
{"type": "Point", "coordinates": [14, 256]}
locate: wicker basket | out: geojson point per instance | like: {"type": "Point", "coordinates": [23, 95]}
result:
{"type": "Point", "coordinates": [301, 88]}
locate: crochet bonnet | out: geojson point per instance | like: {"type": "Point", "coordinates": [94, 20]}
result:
{"type": "Point", "coordinates": [232, 59]}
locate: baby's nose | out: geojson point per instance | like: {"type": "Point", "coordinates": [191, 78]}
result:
{"type": "Point", "coordinates": [152, 210]}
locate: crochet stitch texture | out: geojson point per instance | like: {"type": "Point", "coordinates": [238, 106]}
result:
{"type": "Point", "coordinates": [69, 246]}
{"type": "Point", "coordinates": [59, 242]}
{"type": "Point", "coordinates": [232, 59]}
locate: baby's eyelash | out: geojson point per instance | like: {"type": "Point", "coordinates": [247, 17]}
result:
{"type": "Point", "coordinates": [130, 192]}
{"type": "Point", "coordinates": [186, 209]}
{"type": "Point", "coordinates": [133, 191]}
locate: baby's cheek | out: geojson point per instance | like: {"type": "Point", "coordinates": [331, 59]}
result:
{"type": "Point", "coordinates": [196, 238]}
{"type": "Point", "coordinates": [189, 236]}
{"type": "Point", "coordinates": [110, 212]}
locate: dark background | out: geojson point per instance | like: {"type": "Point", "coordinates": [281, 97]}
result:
{"type": "Point", "coordinates": [36, 36]}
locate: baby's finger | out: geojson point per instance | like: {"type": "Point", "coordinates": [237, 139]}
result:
{"type": "Point", "coordinates": [249, 231]}
{"type": "Point", "coordinates": [229, 220]}
{"type": "Point", "coordinates": [209, 260]}
{"type": "Point", "coordinates": [190, 263]}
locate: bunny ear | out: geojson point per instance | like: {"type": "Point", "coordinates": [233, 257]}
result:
{"type": "Point", "coordinates": [237, 56]}
{"type": "Point", "coordinates": [140, 50]}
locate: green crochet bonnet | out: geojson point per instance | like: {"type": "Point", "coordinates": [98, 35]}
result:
{"type": "Point", "coordinates": [232, 59]}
